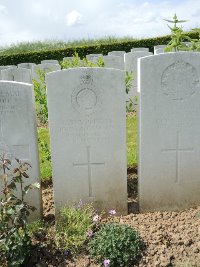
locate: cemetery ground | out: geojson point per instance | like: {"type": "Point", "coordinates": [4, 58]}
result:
{"type": "Point", "coordinates": [169, 238]}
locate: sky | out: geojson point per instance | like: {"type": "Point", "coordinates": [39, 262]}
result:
{"type": "Point", "coordinates": [31, 20]}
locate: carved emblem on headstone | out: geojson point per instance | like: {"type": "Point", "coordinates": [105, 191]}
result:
{"type": "Point", "coordinates": [85, 98]}
{"type": "Point", "coordinates": [179, 80]}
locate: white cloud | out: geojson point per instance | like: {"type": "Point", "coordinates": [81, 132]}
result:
{"type": "Point", "coordinates": [3, 9]}
{"type": "Point", "coordinates": [74, 18]}
{"type": "Point", "coordinates": [47, 19]}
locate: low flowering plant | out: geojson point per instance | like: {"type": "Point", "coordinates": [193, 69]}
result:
{"type": "Point", "coordinates": [106, 262]}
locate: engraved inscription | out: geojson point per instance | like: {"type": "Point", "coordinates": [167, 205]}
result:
{"type": "Point", "coordinates": [85, 130]}
{"type": "Point", "coordinates": [89, 165]}
{"type": "Point", "coordinates": [9, 102]}
{"type": "Point", "coordinates": [177, 150]}
{"type": "Point", "coordinates": [179, 81]}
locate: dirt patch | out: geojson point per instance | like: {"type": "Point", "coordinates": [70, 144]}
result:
{"type": "Point", "coordinates": [170, 238]}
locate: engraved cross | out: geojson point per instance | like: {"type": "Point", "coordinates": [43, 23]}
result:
{"type": "Point", "coordinates": [89, 165]}
{"type": "Point", "coordinates": [177, 150]}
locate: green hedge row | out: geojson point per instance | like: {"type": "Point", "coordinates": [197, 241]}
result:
{"type": "Point", "coordinates": [82, 51]}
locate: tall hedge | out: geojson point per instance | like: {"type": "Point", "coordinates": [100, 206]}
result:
{"type": "Point", "coordinates": [82, 51]}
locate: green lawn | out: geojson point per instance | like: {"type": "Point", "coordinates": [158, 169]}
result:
{"type": "Point", "coordinates": [45, 164]}
{"type": "Point", "coordinates": [131, 140]}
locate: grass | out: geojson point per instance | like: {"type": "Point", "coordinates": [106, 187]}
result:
{"type": "Point", "coordinates": [44, 148]}
{"type": "Point", "coordinates": [45, 164]}
{"type": "Point", "coordinates": [131, 140]}
{"type": "Point", "coordinates": [22, 47]}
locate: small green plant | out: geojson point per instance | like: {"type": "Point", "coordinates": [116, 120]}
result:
{"type": "Point", "coordinates": [177, 36]}
{"type": "Point", "coordinates": [75, 62]}
{"type": "Point", "coordinates": [75, 224]}
{"type": "Point", "coordinates": [195, 43]}
{"type": "Point", "coordinates": [15, 241]}
{"type": "Point", "coordinates": [128, 83]}
{"type": "Point", "coordinates": [40, 97]}
{"type": "Point", "coordinates": [116, 245]}
{"type": "Point", "coordinates": [44, 147]}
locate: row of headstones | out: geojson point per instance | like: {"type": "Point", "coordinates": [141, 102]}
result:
{"type": "Point", "coordinates": [26, 72]}
{"type": "Point", "coordinates": [87, 120]}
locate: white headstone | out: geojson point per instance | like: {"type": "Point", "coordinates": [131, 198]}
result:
{"type": "Point", "coordinates": [16, 74]}
{"type": "Point", "coordinates": [136, 49]}
{"type": "Point", "coordinates": [159, 47]}
{"type": "Point", "coordinates": [46, 67]}
{"type": "Point", "coordinates": [94, 57]}
{"type": "Point", "coordinates": [88, 137]}
{"type": "Point", "coordinates": [169, 147]}
{"type": "Point", "coordinates": [114, 62]}
{"type": "Point", "coordinates": [18, 134]}
{"type": "Point", "coordinates": [117, 53]}
{"type": "Point", "coordinates": [131, 59]}
{"type": "Point", "coordinates": [50, 61]}
{"type": "Point", "coordinates": [159, 51]}
{"type": "Point", "coordinates": [6, 67]}
{"type": "Point", "coordinates": [26, 65]}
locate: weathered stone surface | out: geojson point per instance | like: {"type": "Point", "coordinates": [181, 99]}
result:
{"type": "Point", "coordinates": [26, 65]}
{"type": "Point", "coordinates": [117, 53]}
{"type": "Point", "coordinates": [94, 57]}
{"type": "Point", "coordinates": [139, 49]}
{"type": "Point", "coordinates": [16, 74]}
{"type": "Point", "coordinates": [88, 137]}
{"type": "Point", "coordinates": [159, 51]}
{"type": "Point", "coordinates": [115, 62]}
{"type": "Point", "coordinates": [160, 47]}
{"type": "Point", "coordinates": [50, 61]}
{"type": "Point", "coordinates": [6, 67]}
{"type": "Point", "coordinates": [45, 67]}
{"type": "Point", "coordinates": [169, 134]}
{"type": "Point", "coordinates": [18, 134]}
{"type": "Point", "coordinates": [131, 59]}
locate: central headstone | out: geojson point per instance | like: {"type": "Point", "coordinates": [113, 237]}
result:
{"type": "Point", "coordinates": [169, 147]}
{"type": "Point", "coordinates": [88, 137]}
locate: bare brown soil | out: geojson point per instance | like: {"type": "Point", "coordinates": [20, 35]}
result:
{"type": "Point", "coordinates": [170, 238]}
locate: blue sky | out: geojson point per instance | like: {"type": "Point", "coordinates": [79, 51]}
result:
{"type": "Point", "coordinates": [27, 20]}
